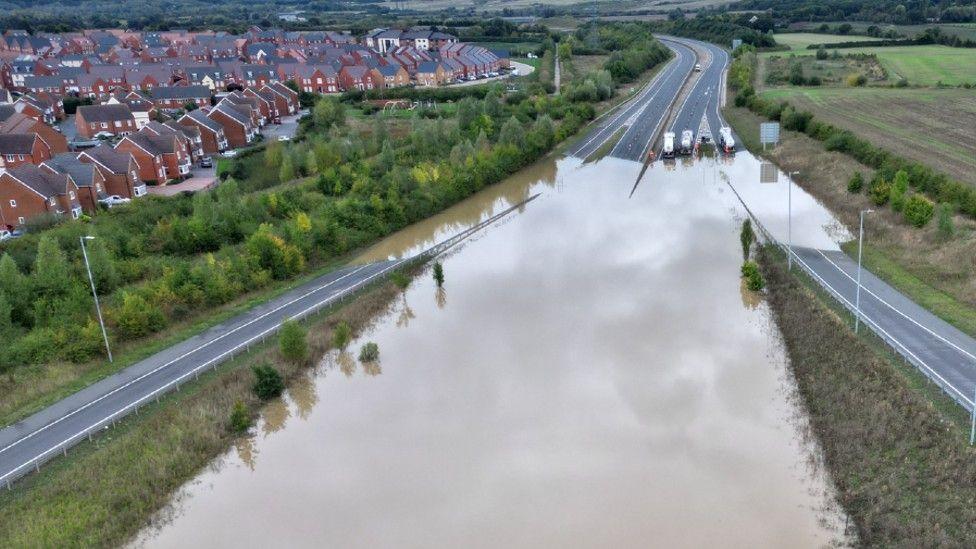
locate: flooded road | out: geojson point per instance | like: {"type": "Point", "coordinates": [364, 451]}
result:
{"type": "Point", "coordinates": [593, 374]}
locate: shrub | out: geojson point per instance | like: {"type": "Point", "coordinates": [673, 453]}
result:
{"type": "Point", "coordinates": [754, 279]}
{"type": "Point", "coordinates": [880, 191]}
{"type": "Point", "coordinates": [439, 274]}
{"type": "Point", "coordinates": [400, 279]}
{"type": "Point", "coordinates": [291, 341]}
{"type": "Point", "coordinates": [856, 183]}
{"type": "Point", "coordinates": [240, 418]}
{"type": "Point", "coordinates": [918, 210]}
{"type": "Point", "coordinates": [370, 352]}
{"type": "Point", "coordinates": [341, 335]}
{"type": "Point", "coordinates": [268, 383]}
{"type": "Point", "coordinates": [898, 189]}
{"type": "Point", "coordinates": [856, 80]}
{"type": "Point", "coordinates": [946, 226]}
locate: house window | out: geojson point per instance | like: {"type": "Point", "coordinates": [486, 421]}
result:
{"type": "Point", "coordinates": [71, 195]}
{"type": "Point", "coordinates": [20, 157]}
{"type": "Point", "coordinates": [20, 220]}
{"type": "Point", "coordinates": [118, 124]}
{"type": "Point", "coordinates": [10, 158]}
{"type": "Point", "coordinates": [13, 203]}
{"type": "Point", "coordinates": [104, 125]}
{"type": "Point", "coordinates": [52, 200]}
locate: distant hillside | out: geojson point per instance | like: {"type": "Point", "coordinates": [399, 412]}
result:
{"type": "Point", "coordinates": [901, 12]}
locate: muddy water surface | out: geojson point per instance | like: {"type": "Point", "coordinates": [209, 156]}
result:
{"type": "Point", "coordinates": [593, 374]}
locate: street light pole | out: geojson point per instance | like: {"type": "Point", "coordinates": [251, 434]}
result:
{"type": "Point", "coordinates": [860, 248]}
{"type": "Point", "coordinates": [98, 307]}
{"type": "Point", "coordinates": [789, 220]}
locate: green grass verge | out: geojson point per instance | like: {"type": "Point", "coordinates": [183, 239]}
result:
{"type": "Point", "coordinates": [938, 302]}
{"type": "Point", "coordinates": [800, 40]}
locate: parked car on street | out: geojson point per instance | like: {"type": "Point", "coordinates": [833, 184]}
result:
{"type": "Point", "coordinates": [206, 162]}
{"type": "Point", "coordinates": [284, 138]}
{"type": "Point", "coordinates": [5, 235]}
{"type": "Point", "coordinates": [230, 153]}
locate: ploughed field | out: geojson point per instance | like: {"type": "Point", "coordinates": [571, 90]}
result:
{"type": "Point", "coordinates": [932, 126]}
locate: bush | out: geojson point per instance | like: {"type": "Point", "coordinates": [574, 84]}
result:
{"type": "Point", "coordinates": [918, 210]}
{"type": "Point", "coordinates": [291, 341]}
{"type": "Point", "coordinates": [856, 183]}
{"type": "Point", "coordinates": [880, 191]}
{"type": "Point", "coordinates": [341, 335]}
{"type": "Point", "coordinates": [370, 352]}
{"type": "Point", "coordinates": [898, 189]}
{"type": "Point", "coordinates": [400, 279]}
{"type": "Point", "coordinates": [754, 279]}
{"type": "Point", "coordinates": [856, 80]}
{"type": "Point", "coordinates": [268, 383]}
{"type": "Point", "coordinates": [240, 418]}
{"type": "Point", "coordinates": [946, 226]}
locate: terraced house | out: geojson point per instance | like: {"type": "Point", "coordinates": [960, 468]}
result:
{"type": "Point", "coordinates": [28, 191]}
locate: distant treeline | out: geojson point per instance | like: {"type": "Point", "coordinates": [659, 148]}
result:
{"type": "Point", "coordinates": [900, 12]}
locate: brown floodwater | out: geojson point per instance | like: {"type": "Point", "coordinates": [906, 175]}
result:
{"type": "Point", "coordinates": [592, 374]}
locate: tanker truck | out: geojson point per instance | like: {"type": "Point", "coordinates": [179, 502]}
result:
{"type": "Point", "coordinates": [725, 140]}
{"type": "Point", "coordinates": [687, 142]}
{"type": "Point", "coordinates": [668, 150]}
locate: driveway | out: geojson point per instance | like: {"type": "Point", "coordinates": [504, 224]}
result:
{"type": "Point", "coordinates": [203, 178]}
{"type": "Point", "coordinates": [288, 127]}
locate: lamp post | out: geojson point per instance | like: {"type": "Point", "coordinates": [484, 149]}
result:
{"type": "Point", "coordinates": [789, 220]}
{"type": "Point", "coordinates": [860, 247]}
{"type": "Point", "coordinates": [98, 307]}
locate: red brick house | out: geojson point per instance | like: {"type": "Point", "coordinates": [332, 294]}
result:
{"type": "Point", "coordinates": [175, 97]}
{"type": "Point", "coordinates": [22, 148]}
{"type": "Point", "coordinates": [90, 182]}
{"type": "Point", "coordinates": [19, 123]}
{"type": "Point", "coordinates": [212, 135]}
{"type": "Point", "coordinates": [266, 103]}
{"type": "Point", "coordinates": [357, 77]}
{"type": "Point", "coordinates": [160, 157]}
{"type": "Point", "coordinates": [285, 98]}
{"type": "Point", "coordinates": [316, 78]}
{"type": "Point", "coordinates": [118, 169]}
{"type": "Point", "coordinates": [391, 76]}
{"type": "Point", "coordinates": [238, 126]}
{"type": "Point", "coordinates": [28, 191]}
{"type": "Point", "coordinates": [91, 120]}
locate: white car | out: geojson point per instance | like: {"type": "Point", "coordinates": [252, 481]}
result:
{"type": "Point", "coordinates": [284, 138]}
{"type": "Point", "coordinates": [515, 72]}
{"type": "Point", "coordinates": [698, 67]}
{"type": "Point", "coordinates": [5, 235]}
{"type": "Point", "coordinates": [115, 200]}
{"type": "Point", "coordinates": [229, 153]}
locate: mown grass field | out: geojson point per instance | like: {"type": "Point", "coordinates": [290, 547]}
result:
{"type": "Point", "coordinates": [962, 30]}
{"type": "Point", "coordinates": [800, 40]}
{"type": "Point", "coordinates": [932, 126]}
{"type": "Point", "coordinates": [921, 65]}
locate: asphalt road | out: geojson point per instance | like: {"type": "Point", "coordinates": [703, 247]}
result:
{"type": "Point", "coordinates": [942, 352]}
{"type": "Point", "coordinates": [704, 101]}
{"type": "Point", "coordinates": [40, 436]}
{"type": "Point", "coordinates": [641, 115]}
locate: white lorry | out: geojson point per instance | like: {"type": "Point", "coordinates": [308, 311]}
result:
{"type": "Point", "coordinates": [725, 140]}
{"type": "Point", "coordinates": [668, 150]}
{"type": "Point", "coordinates": [687, 142]}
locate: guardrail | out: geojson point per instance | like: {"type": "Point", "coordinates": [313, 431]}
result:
{"type": "Point", "coordinates": [88, 432]}
{"type": "Point", "coordinates": [968, 403]}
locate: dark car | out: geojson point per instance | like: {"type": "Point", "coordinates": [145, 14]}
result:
{"type": "Point", "coordinates": [206, 162]}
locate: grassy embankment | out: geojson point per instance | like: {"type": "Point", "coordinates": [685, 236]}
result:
{"type": "Point", "coordinates": [897, 455]}
{"type": "Point", "coordinates": [799, 41]}
{"type": "Point", "coordinates": [103, 493]}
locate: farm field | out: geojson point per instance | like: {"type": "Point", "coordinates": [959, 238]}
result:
{"type": "Point", "coordinates": [800, 40]}
{"type": "Point", "coordinates": [513, 48]}
{"type": "Point", "coordinates": [931, 126]}
{"type": "Point", "coordinates": [921, 65]}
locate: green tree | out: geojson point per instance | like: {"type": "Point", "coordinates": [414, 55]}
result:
{"type": "Point", "coordinates": [341, 335]}
{"type": "Point", "coordinates": [438, 274]}
{"type": "Point", "coordinates": [16, 286]}
{"type": "Point", "coordinates": [879, 191]}
{"type": "Point", "coordinates": [5, 317]}
{"type": "Point", "coordinates": [328, 112]}
{"type": "Point", "coordinates": [137, 317]}
{"type": "Point", "coordinates": [102, 265]}
{"type": "Point", "coordinates": [400, 279]}
{"type": "Point", "coordinates": [292, 341]}
{"type": "Point", "coordinates": [754, 278]}
{"type": "Point", "coordinates": [287, 171]}
{"type": "Point", "coordinates": [467, 112]}
{"type": "Point", "coordinates": [946, 226]}
{"type": "Point", "coordinates": [899, 188]}
{"type": "Point", "coordinates": [51, 273]}
{"type": "Point", "coordinates": [746, 237]}
{"type": "Point", "coordinates": [268, 383]}
{"type": "Point", "coordinates": [855, 183]}
{"type": "Point", "coordinates": [190, 106]}
{"type": "Point", "coordinates": [492, 104]}
{"type": "Point", "coordinates": [918, 210]}
{"type": "Point", "coordinates": [240, 418]}
{"type": "Point", "coordinates": [311, 164]}
{"type": "Point", "coordinates": [273, 155]}
{"type": "Point", "coordinates": [512, 133]}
